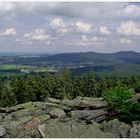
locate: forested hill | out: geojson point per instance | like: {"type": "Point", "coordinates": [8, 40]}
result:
{"type": "Point", "coordinates": [123, 56]}
{"type": "Point", "coordinates": [80, 57]}
{"type": "Point", "coordinates": [120, 63]}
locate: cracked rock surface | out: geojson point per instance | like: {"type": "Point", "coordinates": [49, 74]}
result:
{"type": "Point", "coordinates": [82, 117]}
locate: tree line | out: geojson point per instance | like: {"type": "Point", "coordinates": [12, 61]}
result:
{"type": "Point", "coordinates": [38, 87]}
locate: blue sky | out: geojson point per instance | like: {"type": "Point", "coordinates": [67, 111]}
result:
{"type": "Point", "coordinates": [69, 27]}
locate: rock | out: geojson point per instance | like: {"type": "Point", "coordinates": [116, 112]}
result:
{"type": "Point", "coordinates": [71, 129]}
{"type": "Point", "coordinates": [32, 111]}
{"type": "Point", "coordinates": [32, 123]}
{"type": "Point", "coordinates": [89, 103]}
{"type": "Point", "coordinates": [41, 129]}
{"type": "Point", "coordinates": [21, 113]}
{"type": "Point", "coordinates": [65, 108]}
{"type": "Point", "coordinates": [53, 100]}
{"type": "Point", "coordinates": [21, 106]}
{"type": "Point", "coordinates": [2, 115]}
{"type": "Point", "coordinates": [5, 110]}
{"type": "Point", "coordinates": [64, 119]}
{"type": "Point", "coordinates": [119, 129]}
{"type": "Point", "coordinates": [8, 117]}
{"type": "Point", "coordinates": [135, 130]}
{"type": "Point", "coordinates": [43, 118]}
{"type": "Point", "coordinates": [67, 102]}
{"type": "Point", "coordinates": [29, 133]}
{"type": "Point", "coordinates": [57, 113]}
{"type": "Point", "coordinates": [39, 105]}
{"type": "Point", "coordinates": [24, 125]}
{"type": "Point", "coordinates": [15, 123]}
{"type": "Point", "coordinates": [88, 114]}
{"type": "Point", "coordinates": [101, 118]}
{"type": "Point", "coordinates": [2, 131]}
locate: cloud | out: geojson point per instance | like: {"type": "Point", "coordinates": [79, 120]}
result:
{"type": "Point", "coordinates": [86, 24]}
{"type": "Point", "coordinates": [128, 28]}
{"type": "Point", "coordinates": [125, 41]}
{"type": "Point", "coordinates": [8, 32]}
{"type": "Point", "coordinates": [58, 25]}
{"type": "Point", "coordinates": [6, 6]}
{"type": "Point", "coordinates": [95, 39]}
{"type": "Point", "coordinates": [83, 26]}
{"type": "Point", "coordinates": [104, 30]}
{"type": "Point", "coordinates": [87, 41]}
{"type": "Point", "coordinates": [84, 38]}
{"type": "Point", "coordinates": [39, 37]}
{"type": "Point", "coordinates": [130, 11]}
{"type": "Point", "coordinates": [38, 34]}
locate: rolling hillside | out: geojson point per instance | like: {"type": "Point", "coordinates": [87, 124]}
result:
{"type": "Point", "coordinates": [120, 63]}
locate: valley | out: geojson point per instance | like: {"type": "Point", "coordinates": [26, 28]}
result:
{"type": "Point", "coordinates": [120, 63]}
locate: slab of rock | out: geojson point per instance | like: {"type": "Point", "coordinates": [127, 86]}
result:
{"type": "Point", "coordinates": [53, 100]}
{"type": "Point", "coordinates": [2, 131]}
{"type": "Point", "coordinates": [20, 106]}
{"type": "Point", "coordinates": [43, 118]}
{"type": "Point", "coordinates": [119, 129]}
{"type": "Point", "coordinates": [57, 113]}
{"type": "Point", "coordinates": [135, 130]}
{"type": "Point", "coordinates": [71, 129]}
{"type": "Point", "coordinates": [88, 114]}
{"type": "Point", "coordinates": [89, 103]}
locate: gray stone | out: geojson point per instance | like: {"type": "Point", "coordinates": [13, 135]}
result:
{"type": "Point", "coordinates": [2, 131]}
{"type": "Point", "coordinates": [89, 102]}
{"type": "Point", "coordinates": [119, 129]}
{"type": "Point", "coordinates": [53, 100]}
{"type": "Point", "coordinates": [57, 113]}
{"type": "Point", "coordinates": [71, 129]}
{"type": "Point", "coordinates": [88, 114]}
{"type": "Point", "coordinates": [135, 130]}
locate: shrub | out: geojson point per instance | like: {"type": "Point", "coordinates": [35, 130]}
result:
{"type": "Point", "coordinates": [117, 96]}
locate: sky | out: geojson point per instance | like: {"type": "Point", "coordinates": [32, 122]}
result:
{"type": "Point", "coordinates": [69, 27]}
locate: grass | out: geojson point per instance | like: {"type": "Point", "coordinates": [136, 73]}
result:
{"type": "Point", "coordinates": [10, 68]}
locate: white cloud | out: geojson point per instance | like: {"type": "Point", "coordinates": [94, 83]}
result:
{"type": "Point", "coordinates": [27, 35]}
{"type": "Point", "coordinates": [39, 37]}
{"type": "Point", "coordinates": [104, 30]}
{"type": "Point", "coordinates": [57, 23]}
{"type": "Point", "coordinates": [83, 26]}
{"type": "Point", "coordinates": [38, 34]}
{"type": "Point", "coordinates": [8, 32]}
{"type": "Point", "coordinates": [125, 41]}
{"type": "Point", "coordinates": [6, 6]}
{"type": "Point", "coordinates": [130, 10]}
{"type": "Point", "coordinates": [86, 41]}
{"type": "Point", "coordinates": [48, 42]}
{"type": "Point", "coordinates": [84, 38]}
{"type": "Point", "coordinates": [95, 38]}
{"type": "Point", "coordinates": [128, 28]}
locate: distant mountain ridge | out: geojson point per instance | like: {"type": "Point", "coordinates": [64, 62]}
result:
{"type": "Point", "coordinates": [123, 56]}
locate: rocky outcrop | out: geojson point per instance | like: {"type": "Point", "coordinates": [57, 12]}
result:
{"type": "Point", "coordinates": [135, 130]}
{"type": "Point", "coordinates": [71, 129]}
{"type": "Point", "coordinates": [119, 129]}
{"type": "Point", "coordinates": [82, 117]}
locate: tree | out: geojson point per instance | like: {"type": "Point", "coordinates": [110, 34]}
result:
{"type": "Point", "coordinates": [137, 87]}
{"type": "Point", "coordinates": [64, 83]}
{"type": "Point", "coordinates": [78, 87]}
{"type": "Point", "coordinates": [90, 87]}
{"type": "Point", "coordinates": [7, 95]}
